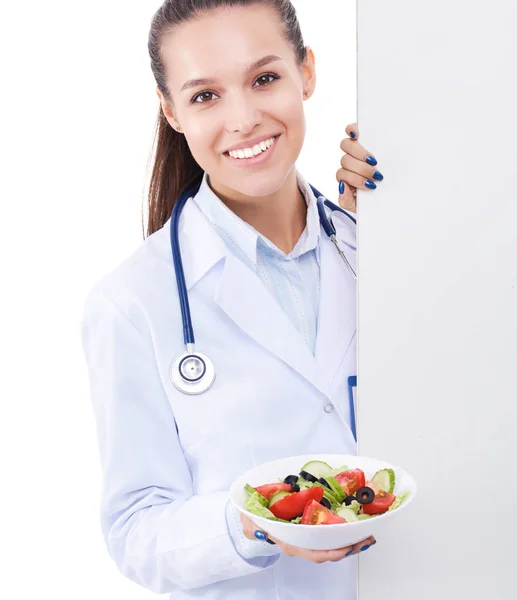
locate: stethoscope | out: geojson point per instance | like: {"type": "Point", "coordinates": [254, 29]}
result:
{"type": "Point", "coordinates": [193, 372]}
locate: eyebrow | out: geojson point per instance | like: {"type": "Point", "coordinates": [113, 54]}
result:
{"type": "Point", "coordinates": [208, 80]}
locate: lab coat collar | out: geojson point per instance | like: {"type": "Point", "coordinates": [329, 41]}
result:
{"type": "Point", "coordinates": [245, 239]}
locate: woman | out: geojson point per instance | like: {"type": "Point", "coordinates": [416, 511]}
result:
{"type": "Point", "coordinates": [272, 304]}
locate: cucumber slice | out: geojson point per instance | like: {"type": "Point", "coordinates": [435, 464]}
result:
{"type": "Point", "coordinates": [278, 496]}
{"type": "Point", "coordinates": [385, 479]}
{"type": "Point", "coordinates": [348, 514]}
{"type": "Point", "coordinates": [364, 517]}
{"type": "Point", "coordinates": [336, 488]}
{"type": "Point", "coordinates": [317, 468]}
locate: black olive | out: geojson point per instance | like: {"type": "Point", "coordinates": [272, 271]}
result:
{"type": "Point", "coordinates": [296, 487]}
{"type": "Point", "coordinates": [291, 479]}
{"type": "Point", "coordinates": [324, 482]}
{"type": "Point", "coordinates": [365, 495]}
{"type": "Point", "coordinates": [308, 476]}
{"type": "Point", "coordinates": [349, 500]}
{"type": "Point", "coordinates": [325, 502]}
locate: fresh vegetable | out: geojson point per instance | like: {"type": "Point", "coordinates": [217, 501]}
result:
{"type": "Point", "coordinates": [316, 514]}
{"type": "Point", "coordinates": [350, 481]}
{"type": "Point", "coordinates": [381, 503]}
{"type": "Point", "coordinates": [293, 505]}
{"type": "Point", "coordinates": [322, 495]}
{"type": "Point", "coordinates": [270, 489]}
{"type": "Point", "coordinates": [385, 480]}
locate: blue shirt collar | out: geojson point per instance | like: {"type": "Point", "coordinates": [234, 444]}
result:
{"type": "Point", "coordinates": [243, 238]}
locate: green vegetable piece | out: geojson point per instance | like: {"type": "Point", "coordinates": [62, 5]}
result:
{"type": "Point", "coordinates": [337, 471]}
{"type": "Point", "coordinates": [385, 479]}
{"type": "Point", "coordinates": [336, 488]}
{"type": "Point", "coordinates": [399, 500]}
{"type": "Point", "coordinates": [254, 505]}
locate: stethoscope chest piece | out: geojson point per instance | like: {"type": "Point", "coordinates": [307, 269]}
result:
{"type": "Point", "coordinates": [192, 373]}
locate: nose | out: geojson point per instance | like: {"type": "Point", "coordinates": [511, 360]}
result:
{"type": "Point", "coordinates": [242, 113]}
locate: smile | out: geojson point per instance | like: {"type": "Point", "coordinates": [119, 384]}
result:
{"type": "Point", "coordinates": [255, 155]}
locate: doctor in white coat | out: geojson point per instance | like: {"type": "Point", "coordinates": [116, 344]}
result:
{"type": "Point", "coordinates": [272, 305]}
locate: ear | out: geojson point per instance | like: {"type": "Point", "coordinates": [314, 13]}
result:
{"type": "Point", "coordinates": [309, 73]}
{"type": "Point", "coordinates": [167, 111]}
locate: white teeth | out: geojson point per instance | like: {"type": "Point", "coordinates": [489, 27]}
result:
{"type": "Point", "coordinates": [256, 150]}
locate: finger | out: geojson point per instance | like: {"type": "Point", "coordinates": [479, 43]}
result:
{"type": "Point", "coordinates": [353, 131]}
{"type": "Point", "coordinates": [347, 199]}
{"type": "Point", "coordinates": [349, 163]}
{"type": "Point", "coordinates": [364, 545]}
{"type": "Point", "coordinates": [351, 147]}
{"type": "Point", "coordinates": [355, 180]}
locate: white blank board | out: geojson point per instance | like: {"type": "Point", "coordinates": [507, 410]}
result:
{"type": "Point", "coordinates": [437, 375]}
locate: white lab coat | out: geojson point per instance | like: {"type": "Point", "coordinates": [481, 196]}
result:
{"type": "Point", "coordinates": [169, 459]}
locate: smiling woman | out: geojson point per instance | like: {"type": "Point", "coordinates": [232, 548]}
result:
{"type": "Point", "coordinates": [264, 285]}
{"type": "Point", "coordinates": [231, 76]}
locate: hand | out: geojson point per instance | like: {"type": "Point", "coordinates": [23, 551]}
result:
{"type": "Point", "coordinates": [317, 556]}
{"type": "Point", "coordinates": [355, 171]}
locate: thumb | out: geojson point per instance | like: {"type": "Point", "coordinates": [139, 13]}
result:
{"type": "Point", "coordinates": [347, 197]}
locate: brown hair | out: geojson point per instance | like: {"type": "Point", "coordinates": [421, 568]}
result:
{"type": "Point", "coordinates": [174, 168]}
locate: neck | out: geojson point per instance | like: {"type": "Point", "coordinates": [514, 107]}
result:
{"type": "Point", "coordinates": [281, 217]}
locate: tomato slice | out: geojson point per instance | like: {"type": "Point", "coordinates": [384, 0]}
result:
{"type": "Point", "coordinates": [317, 514]}
{"type": "Point", "coordinates": [382, 501]}
{"type": "Point", "coordinates": [351, 481]}
{"type": "Point", "coordinates": [292, 506]}
{"type": "Point", "coordinates": [270, 489]}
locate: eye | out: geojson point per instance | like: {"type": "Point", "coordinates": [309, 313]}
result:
{"type": "Point", "coordinates": [205, 95]}
{"type": "Point", "coordinates": [202, 95]}
{"type": "Point", "coordinates": [266, 75]}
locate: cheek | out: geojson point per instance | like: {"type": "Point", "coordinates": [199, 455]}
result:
{"type": "Point", "coordinates": [200, 139]}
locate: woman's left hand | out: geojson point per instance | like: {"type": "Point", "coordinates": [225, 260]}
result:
{"type": "Point", "coordinates": [358, 170]}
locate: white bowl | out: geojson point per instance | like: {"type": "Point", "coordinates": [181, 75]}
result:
{"type": "Point", "coordinates": [321, 537]}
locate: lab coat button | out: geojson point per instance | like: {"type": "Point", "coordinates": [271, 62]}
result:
{"type": "Point", "coordinates": [328, 408]}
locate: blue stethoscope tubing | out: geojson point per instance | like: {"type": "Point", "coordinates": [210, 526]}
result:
{"type": "Point", "coordinates": [193, 372]}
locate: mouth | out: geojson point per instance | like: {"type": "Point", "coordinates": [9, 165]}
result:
{"type": "Point", "coordinates": [259, 153]}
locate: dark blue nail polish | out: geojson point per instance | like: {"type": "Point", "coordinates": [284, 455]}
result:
{"type": "Point", "coordinates": [341, 187]}
{"type": "Point", "coordinates": [378, 175]}
{"type": "Point", "coordinates": [365, 548]}
{"type": "Point", "coordinates": [370, 184]}
{"type": "Point", "coordinates": [371, 161]}
{"type": "Point", "coordinates": [349, 552]}
{"type": "Point", "coordinates": [352, 134]}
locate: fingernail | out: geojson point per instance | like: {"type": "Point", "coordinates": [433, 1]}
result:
{"type": "Point", "coordinates": [352, 134]}
{"type": "Point", "coordinates": [349, 552]}
{"type": "Point", "coordinates": [374, 542]}
{"type": "Point", "coordinates": [370, 184]}
{"type": "Point", "coordinates": [378, 175]}
{"type": "Point", "coordinates": [365, 547]}
{"type": "Point", "coordinates": [371, 161]}
{"type": "Point", "coordinates": [341, 187]}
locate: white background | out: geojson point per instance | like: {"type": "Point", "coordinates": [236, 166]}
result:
{"type": "Point", "coordinates": [437, 292]}
{"type": "Point", "coordinates": [77, 119]}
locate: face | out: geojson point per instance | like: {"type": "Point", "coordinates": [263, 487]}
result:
{"type": "Point", "coordinates": [237, 107]}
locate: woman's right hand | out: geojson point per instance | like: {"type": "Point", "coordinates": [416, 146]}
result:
{"type": "Point", "coordinates": [317, 556]}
